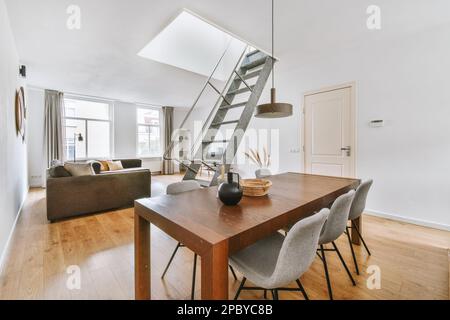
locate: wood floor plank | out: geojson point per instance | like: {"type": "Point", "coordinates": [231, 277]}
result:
{"type": "Point", "coordinates": [31, 286]}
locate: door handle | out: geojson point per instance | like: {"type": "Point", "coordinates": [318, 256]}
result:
{"type": "Point", "coordinates": [347, 149]}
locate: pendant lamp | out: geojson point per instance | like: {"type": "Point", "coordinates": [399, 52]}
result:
{"type": "Point", "coordinates": [273, 109]}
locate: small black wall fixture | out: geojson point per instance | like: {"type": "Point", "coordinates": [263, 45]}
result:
{"type": "Point", "coordinates": [23, 71]}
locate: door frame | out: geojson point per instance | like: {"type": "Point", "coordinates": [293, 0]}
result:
{"type": "Point", "coordinates": [353, 118]}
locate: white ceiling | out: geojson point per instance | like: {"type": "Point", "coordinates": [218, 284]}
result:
{"type": "Point", "coordinates": [101, 58]}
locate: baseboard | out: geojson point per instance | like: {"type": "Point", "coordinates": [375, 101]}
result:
{"type": "Point", "coordinates": [448, 254]}
{"type": "Point", "coordinates": [418, 222]}
{"type": "Point", "coordinates": [8, 241]}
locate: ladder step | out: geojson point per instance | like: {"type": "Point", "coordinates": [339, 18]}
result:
{"type": "Point", "coordinates": [215, 141]}
{"type": "Point", "coordinates": [254, 59]}
{"type": "Point", "coordinates": [239, 91]}
{"type": "Point", "coordinates": [252, 53]}
{"type": "Point", "coordinates": [237, 105]}
{"type": "Point", "coordinates": [254, 64]}
{"type": "Point", "coordinates": [252, 74]}
{"type": "Point", "coordinates": [217, 124]}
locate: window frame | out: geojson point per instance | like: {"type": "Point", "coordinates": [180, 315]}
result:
{"type": "Point", "coordinates": [161, 130]}
{"type": "Point", "coordinates": [110, 104]}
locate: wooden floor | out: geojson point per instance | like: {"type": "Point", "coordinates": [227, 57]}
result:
{"type": "Point", "coordinates": [414, 261]}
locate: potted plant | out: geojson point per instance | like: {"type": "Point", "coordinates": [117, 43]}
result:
{"type": "Point", "coordinates": [262, 161]}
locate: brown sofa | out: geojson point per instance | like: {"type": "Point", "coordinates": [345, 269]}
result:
{"type": "Point", "coordinates": [74, 196]}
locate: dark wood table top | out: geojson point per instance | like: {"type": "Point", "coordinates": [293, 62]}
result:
{"type": "Point", "coordinates": [198, 218]}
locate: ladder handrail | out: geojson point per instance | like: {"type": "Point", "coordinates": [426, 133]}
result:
{"type": "Point", "coordinates": [172, 143]}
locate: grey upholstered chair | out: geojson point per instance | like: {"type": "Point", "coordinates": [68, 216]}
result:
{"type": "Point", "coordinates": [183, 186]}
{"type": "Point", "coordinates": [175, 188]}
{"type": "Point", "coordinates": [334, 227]}
{"type": "Point", "coordinates": [276, 261]}
{"type": "Point", "coordinates": [356, 210]}
{"type": "Point", "coordinates": [262, 173]}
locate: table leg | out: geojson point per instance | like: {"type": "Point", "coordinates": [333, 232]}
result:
{"type": "Point", "coordinates": [355, 237]}
{"type": "Point", "coordinates": [215, 272]}
{"type": "Point", "coordinates": [142, 286]}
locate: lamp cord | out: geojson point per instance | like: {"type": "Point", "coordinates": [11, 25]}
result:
{"type": "Point", "coordinates": [273, 45]}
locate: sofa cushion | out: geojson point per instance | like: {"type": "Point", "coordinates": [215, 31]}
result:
{"type": "Point", "coordinates": [79, 169]}
{"type": "Point", "coordinates": [125, 171]}
{"type": "Point", "coordinates": [96, 165]}
{"type": "Point", "coordinates": [58, 172]}
{"type": "Point", "coordinates": [130, 163]}
{"type": "Point", "coordinates": [114, 165]}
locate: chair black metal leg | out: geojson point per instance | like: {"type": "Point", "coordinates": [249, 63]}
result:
{"type": "Point", "coordinates": [265, 294]}
{"type": "Point", "coordinates": [232, 271]}
{"type": "Point", "coordinates": [170, 261]}
{"type": "Point", "coordinates": [362, 239]}
{"type": "Point", "coordinates": [319, 255]}
{"type": "Point", "coordinates": [343, 263]}
{"type": "Point", "coordinates": [353, 250]}
{"type": "Point", "coordinates": [194, 273]}
{"type": "Point", "coordinates": [327, 276]}
{"type": "Point", "coordinates": [275, 294]}
{"type": "Point", "coordinates": [302, 289]}
{"type": "Point", "coordinates": [240, 289]}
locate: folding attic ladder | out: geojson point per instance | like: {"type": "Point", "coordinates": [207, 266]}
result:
{"type": "Point", "coordinates": [257, 65]}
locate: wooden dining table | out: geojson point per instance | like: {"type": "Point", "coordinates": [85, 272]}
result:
{"type": "Point", "coordinates": [214, 231]}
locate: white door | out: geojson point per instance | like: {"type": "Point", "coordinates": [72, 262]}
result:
{"type": "Point", "coordinates": [330, 132]}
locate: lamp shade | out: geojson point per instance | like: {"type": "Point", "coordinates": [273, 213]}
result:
{"type": "Point", "coordinates": [273, 109]}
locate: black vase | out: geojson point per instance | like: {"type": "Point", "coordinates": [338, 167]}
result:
{"type": "Point", "coordinates": [230, 192]}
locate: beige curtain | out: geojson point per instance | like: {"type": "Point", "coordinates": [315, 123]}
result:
{"type": "Point", "coordinates": [168, 167]}
{"type": "Point", "coordinates": [54, 127]}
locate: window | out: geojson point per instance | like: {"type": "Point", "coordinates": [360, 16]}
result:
{"type": "Point", "coordinates": [88, 128]}
{"type": "Point", "coordinates": [148, 132]}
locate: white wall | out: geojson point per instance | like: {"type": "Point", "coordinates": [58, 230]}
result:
{"type": "Point", "coordinates": [403, 81]}
{"type": "Point", "coordinates": [125, 130]}
{"type": "Point", "coordinates": [13, 166]}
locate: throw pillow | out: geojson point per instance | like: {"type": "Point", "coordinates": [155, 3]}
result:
{"type": "Point", "coordinates": [115, 165]}
{"type": "Point", "coordinates": [79, 169]}
{"type": "Point", "coordinates": [104, 165]}
{"type": "Point", "coordinates": [95, 165]}
{"type": "Point", "coordinates": [58, 172]}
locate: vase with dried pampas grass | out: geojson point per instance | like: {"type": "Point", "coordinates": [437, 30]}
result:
{"type": "Point", "coordinates": [261, 160]}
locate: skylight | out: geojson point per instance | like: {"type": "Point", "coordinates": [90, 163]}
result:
{"type": "Point", "coordinates": [192, 44]}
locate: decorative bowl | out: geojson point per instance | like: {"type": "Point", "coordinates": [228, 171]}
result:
{"type": "Point", "coordinates": [256, 187]}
